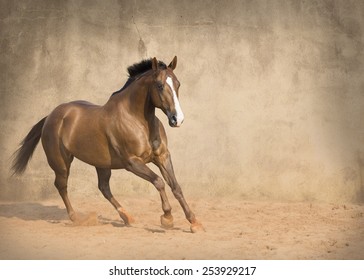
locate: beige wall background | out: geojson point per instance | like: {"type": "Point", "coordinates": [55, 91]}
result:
{"type": "Point", "coordinates": [272, 91]}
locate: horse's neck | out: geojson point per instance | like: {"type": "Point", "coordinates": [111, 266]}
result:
{"type": "Point", "coordinates": [135, 100]}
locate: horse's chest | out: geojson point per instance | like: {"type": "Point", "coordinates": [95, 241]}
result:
{"type": "Point", "coordinates": [139, 142]}
{"type": "Point", "coordinates": [148, 149]}
{"type": "Point", "coordinates": [142, 146]}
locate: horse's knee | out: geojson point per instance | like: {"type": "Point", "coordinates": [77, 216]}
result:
{"type": "Point", "coordinates": [61, 182]}
{"type": "Point", "coordinates": [177, 192]}
{"type": "Point", "coordinates": [159, 184]}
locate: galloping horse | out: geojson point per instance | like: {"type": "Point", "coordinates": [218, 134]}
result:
{"type": "Point", "coordinates": [122, 134]}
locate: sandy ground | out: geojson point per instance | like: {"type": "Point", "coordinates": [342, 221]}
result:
{"type": "Point", "coordinates": [235, 229]}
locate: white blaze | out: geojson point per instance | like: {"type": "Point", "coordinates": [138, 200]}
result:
{"type": "Point", "coordinates": [179, 114]}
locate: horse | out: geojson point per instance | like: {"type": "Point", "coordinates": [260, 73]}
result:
{"type": "Point", "coordinates": [122, 134]}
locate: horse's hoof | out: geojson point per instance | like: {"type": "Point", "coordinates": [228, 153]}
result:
{"type": "Point", "coordinates": [80, 219]}
{"type": "Point", "coordinates": [128, 220]}
{"type": "Point", "coordinates": [197, 227]}
{"type": "Point", "coordinates": [126, 217]}
{"type": "Point", "coordinates": [73, 216]}
{"type": "Point", "coordinates": [167, 222]}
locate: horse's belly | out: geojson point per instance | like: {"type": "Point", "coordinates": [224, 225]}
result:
{"type": "Point", "coordinates": [100, 152]}
{"type": "Point", "coordinates": [106, 162]}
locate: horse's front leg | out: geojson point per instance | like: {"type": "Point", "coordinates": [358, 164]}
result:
{"type": "Point", "coordinates": [165, 165]}
{"type": "Point", "coordinates": [139, 168]}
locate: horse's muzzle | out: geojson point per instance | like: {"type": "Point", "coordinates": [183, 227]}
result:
{"type": "Point", "coordinates": [174, 122]}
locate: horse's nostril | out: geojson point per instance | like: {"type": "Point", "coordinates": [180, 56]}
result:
{"type": "Point", "coordinates": [173, 120]}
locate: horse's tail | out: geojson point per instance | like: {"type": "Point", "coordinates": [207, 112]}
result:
{"type": "Point", "coordinates": [22, 156]}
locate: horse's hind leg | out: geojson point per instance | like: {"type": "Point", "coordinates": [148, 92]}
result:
{"type": "Point", "coordinates": [104, 186]}
{"type": "Point", "coordinates": [60, 161]}
{"type": "Point", "coordinates": [61, 185]}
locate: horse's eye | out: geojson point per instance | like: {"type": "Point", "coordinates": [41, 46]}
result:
{"type": "Point", "coordinates": [160, 87]}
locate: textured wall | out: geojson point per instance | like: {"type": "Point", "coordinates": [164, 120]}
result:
{"type": "Point", "coordinates": [272, 91]}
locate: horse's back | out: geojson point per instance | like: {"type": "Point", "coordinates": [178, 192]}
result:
{"type": "Point", "coordinates": [69, 114]}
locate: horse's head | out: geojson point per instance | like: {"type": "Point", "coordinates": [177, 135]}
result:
{"type": "Point", "coordinates": [165, 92]}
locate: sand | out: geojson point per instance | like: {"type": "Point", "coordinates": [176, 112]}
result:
{"type": "Point", "coordinates": [235, 229]}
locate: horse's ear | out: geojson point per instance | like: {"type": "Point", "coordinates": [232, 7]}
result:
{"type": "Point", "coordinates": [173, 63]}
{"type": "Point", "coordinates": [155, 66]}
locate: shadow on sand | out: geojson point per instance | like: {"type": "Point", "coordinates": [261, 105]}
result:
{"type": "Point", "coordinates": [32, 211]}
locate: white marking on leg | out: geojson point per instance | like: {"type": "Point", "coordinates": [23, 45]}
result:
{"type": "Point", "coordinates": [179, 114]}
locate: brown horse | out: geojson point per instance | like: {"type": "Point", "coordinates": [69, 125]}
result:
{"type": "Point", "coordinates": [122, 134]}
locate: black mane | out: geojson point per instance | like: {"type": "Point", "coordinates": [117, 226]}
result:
{"type": "Point", "coordinates": [137, 69]}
